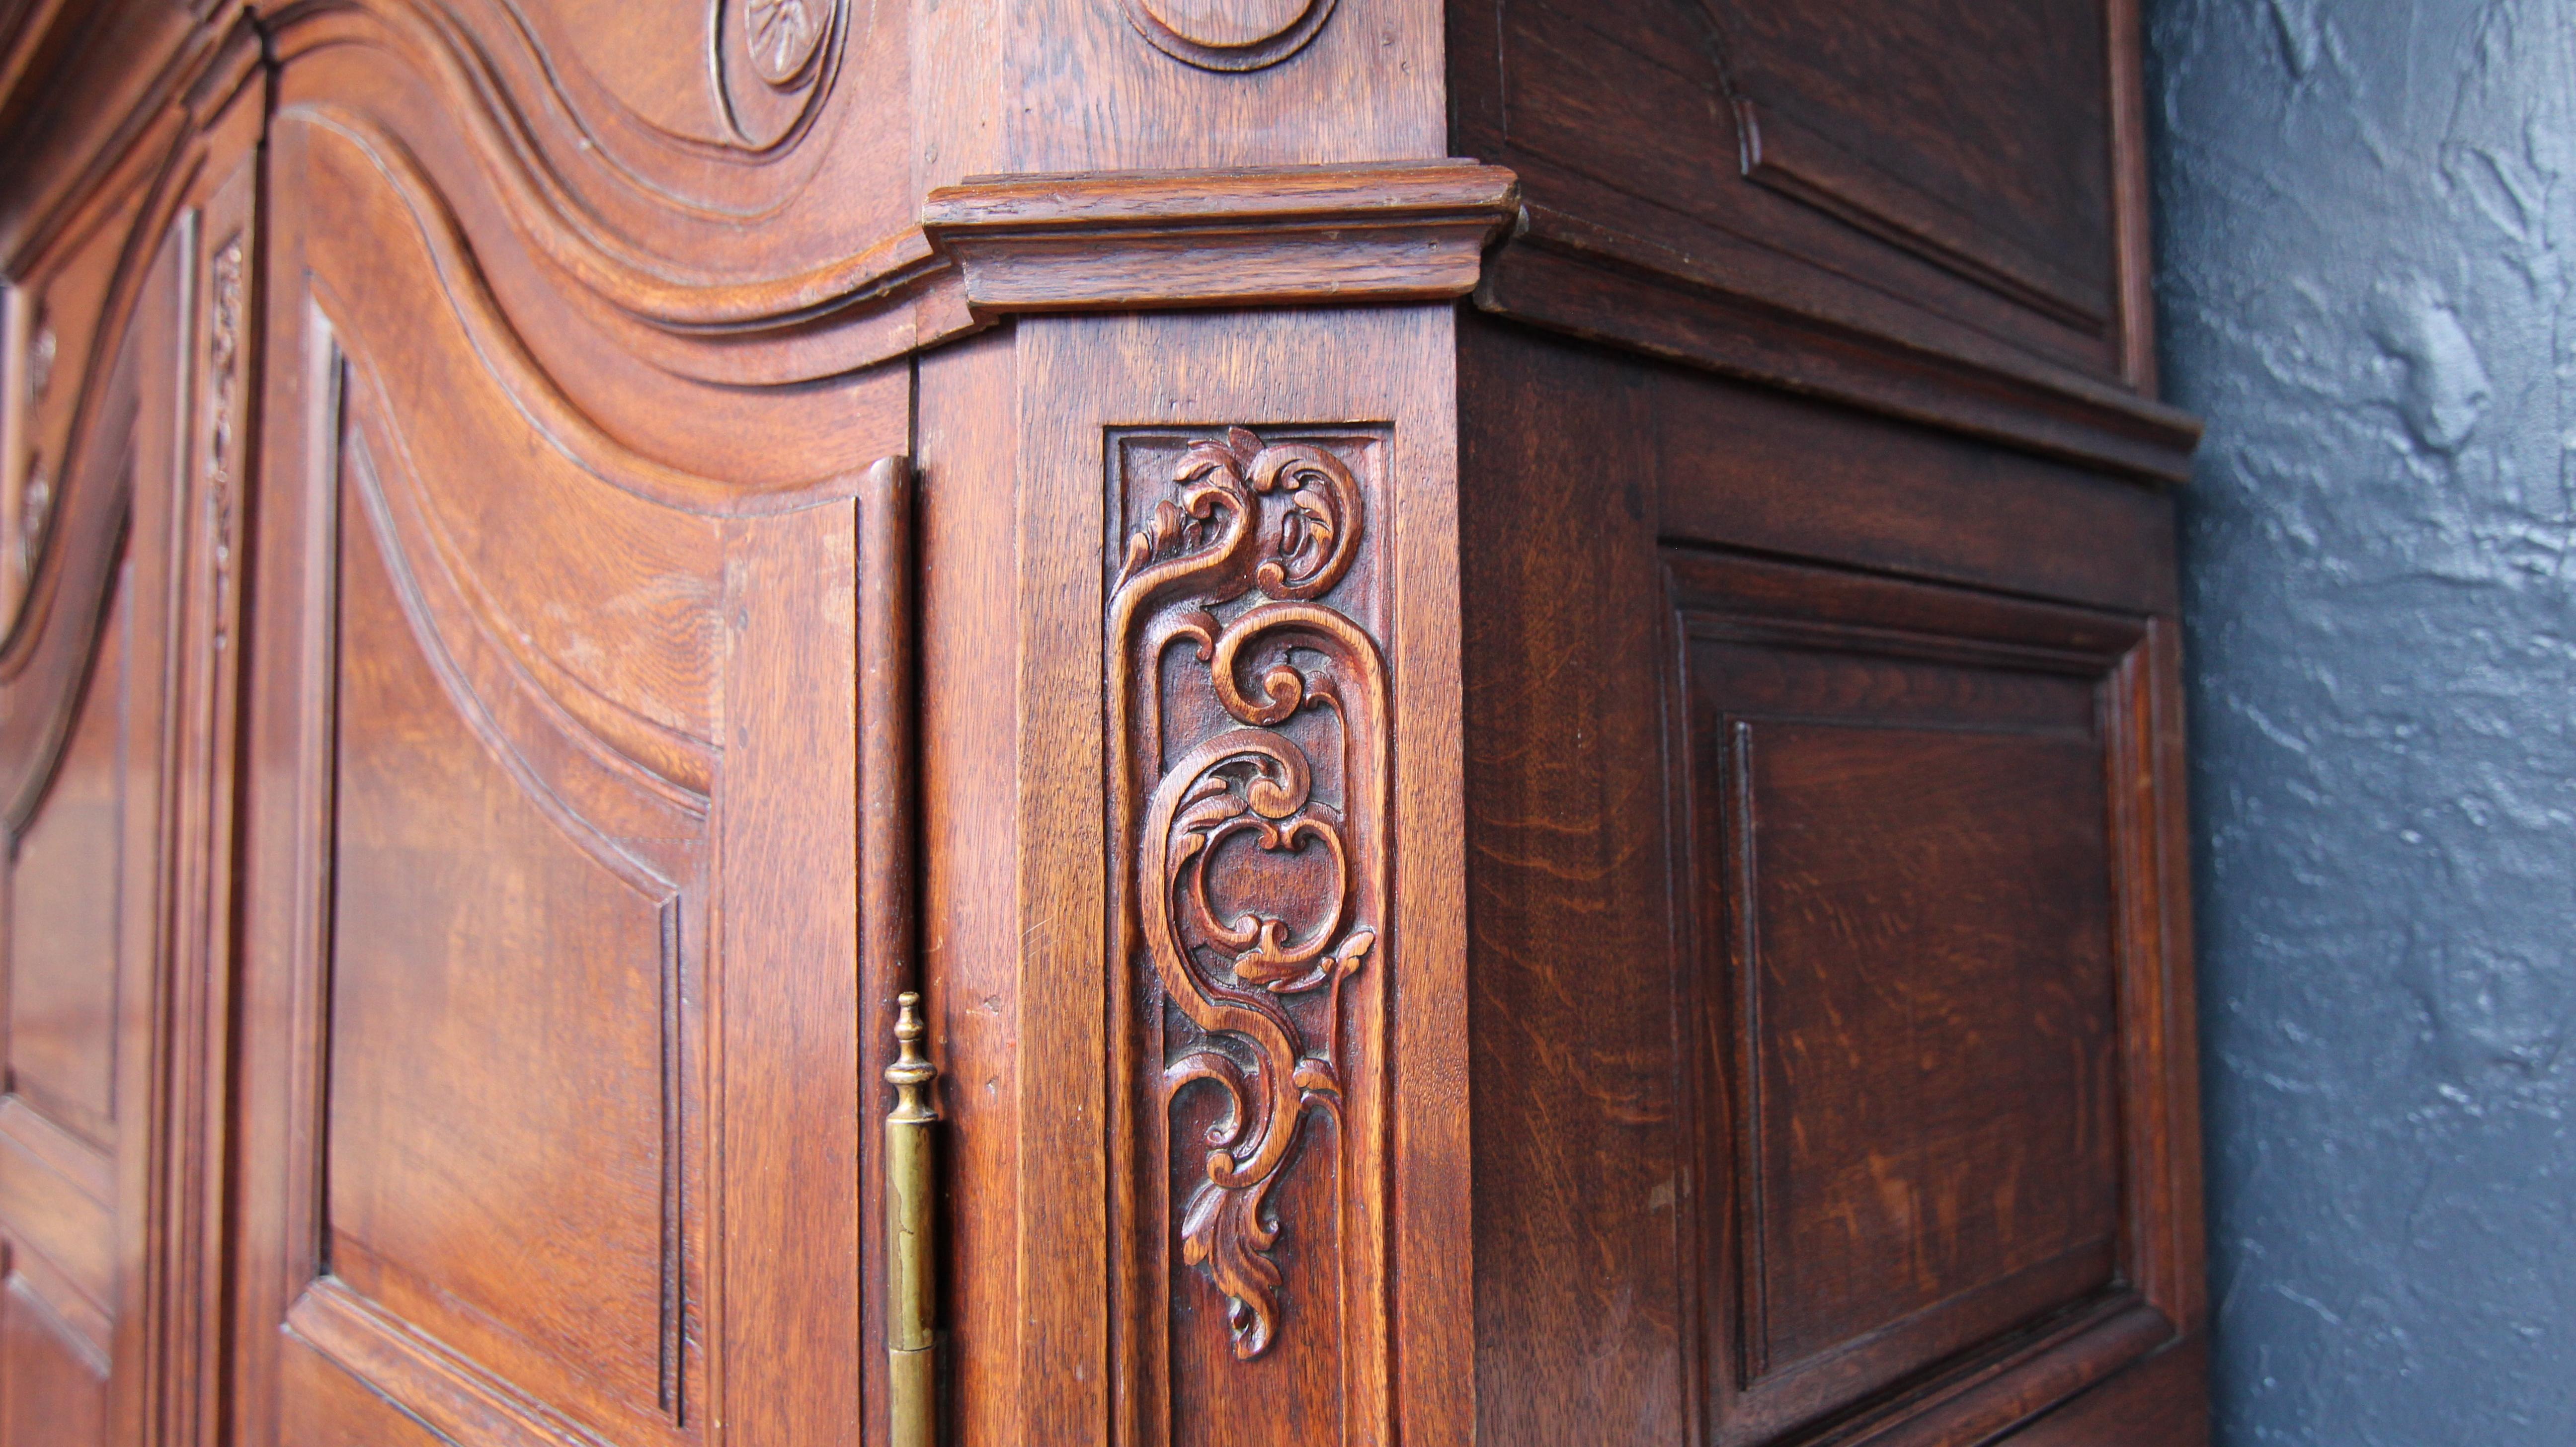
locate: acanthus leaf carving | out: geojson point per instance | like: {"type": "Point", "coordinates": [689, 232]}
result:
{"type": "Point", "coordinates": [1218, 785]}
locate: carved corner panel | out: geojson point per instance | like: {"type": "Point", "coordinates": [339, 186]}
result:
{"type": "Point", "coordinates": [1251, 865]}
{"type": "Point", "coordinates": [1931, 981]}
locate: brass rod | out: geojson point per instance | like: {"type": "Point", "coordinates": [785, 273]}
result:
{"type": "Point", "coordinates": [911, 1296]}
{"type": "Point", "coordinates": [889, 964]}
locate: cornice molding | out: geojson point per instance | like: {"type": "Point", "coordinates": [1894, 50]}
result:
{"type": "Point", "coordinates": [1270, 236]}
{"type": "Point", "coordinates": [1563, 274]}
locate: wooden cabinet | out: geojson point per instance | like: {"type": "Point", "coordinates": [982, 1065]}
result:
{"type": "Point", "coordinates": [1506, 673]}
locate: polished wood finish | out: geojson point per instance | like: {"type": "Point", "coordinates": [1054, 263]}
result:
{"type": "Point", "coordinates": [1505, 671]}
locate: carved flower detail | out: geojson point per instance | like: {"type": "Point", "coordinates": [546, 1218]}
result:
{"type": "Point", "coordinates": [781, 37]}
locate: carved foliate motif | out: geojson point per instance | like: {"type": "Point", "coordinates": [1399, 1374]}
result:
{"type": "Point", "coordinates": [1251, 800]}
{"type": "Point", "coordinates": [1229, 35]}
{"type": "Point", "coordinates": [223, 365]}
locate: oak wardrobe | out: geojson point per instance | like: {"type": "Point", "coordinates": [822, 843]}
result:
{"type": "Point", "coordinates": [1504, 674]}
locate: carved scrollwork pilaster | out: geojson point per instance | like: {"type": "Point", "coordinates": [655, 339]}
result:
{"type": "Point", "coordinates": [1249, 716]}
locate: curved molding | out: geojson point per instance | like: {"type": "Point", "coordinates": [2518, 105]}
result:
{"type": "Point", "coordinates": [1277, 236]}
{"type": "Point", "coordinates": [673, 763]}
{"type": "Point", "coordinates": [1229, 35]}
{"type": "Point", "coordinates": [505, 358]}
{"type": "Point", "coordinates": [563, 181]}
{"type": "Point", "coordinates": [614, 797]}
{"type": "Point", "coordinates": [45, 663]}
{"type": "Point", "coordinates": [45, 653]}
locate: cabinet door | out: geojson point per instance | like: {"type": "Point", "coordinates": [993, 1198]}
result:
{"type": "Point", "coordinates": [80, 775]}
{"type": "Point", "coordinates": [126, 343]}
{"type": "Point", "coordinates": [551, 1114]}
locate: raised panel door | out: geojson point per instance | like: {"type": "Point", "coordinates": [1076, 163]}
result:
{"type": "Point", "coordinates": [552, 1112]}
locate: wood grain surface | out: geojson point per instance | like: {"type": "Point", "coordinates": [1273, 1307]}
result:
{"type": "Point", "coordinates": [1507, 672]}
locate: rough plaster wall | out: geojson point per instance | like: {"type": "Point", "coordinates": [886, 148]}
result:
{"type": "Point", "coordinates": [2367, 223]}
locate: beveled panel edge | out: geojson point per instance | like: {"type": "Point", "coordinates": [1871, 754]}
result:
{"type": "Point", "coordinates": [2016, 1383]}
{"type": "Point", "coordinates": [1259, 236]}
{"type": "Point", "coordinates": [452, 1396]}
{"type": "Point", "coordinates": [76, 1160]}
{"type": "Point", "coordinates": [88, 1331]}
{"type": "Point", "coordinates": [52, 1216]}
{"type": "Point", "coordinates": [1564, 274]}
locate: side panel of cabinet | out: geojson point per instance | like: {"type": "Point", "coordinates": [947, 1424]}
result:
{"type": "Point", "coordinates": [1830, 990]}
{"type": "Point", "coordinates": [1931, 209]}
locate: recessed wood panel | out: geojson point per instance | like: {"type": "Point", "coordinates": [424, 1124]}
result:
{"type": "Point", "coordinates": [1925, 915]}
{"type": "Point", "coordinates": [500, 1129]}
{"type": "Point", "coordinates": [1910, 953]}
{"type": "Point", "coordinates": [1824, 988]}
{"type": "Point", "coordinates": [62, 987]}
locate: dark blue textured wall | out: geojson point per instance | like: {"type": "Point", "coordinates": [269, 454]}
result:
{"type": "Point", "coordinates": [2367, 210]}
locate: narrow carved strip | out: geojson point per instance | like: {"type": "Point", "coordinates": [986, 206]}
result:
{"type": "Point", "coordinates": [1236, 568]}
{"type": "Point", "coordinates": [223, 363]}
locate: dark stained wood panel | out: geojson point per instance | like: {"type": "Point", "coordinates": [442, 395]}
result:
{"type": "Point", "coordinates": [1919, 206]}
{"type": "Point", "coordinates": [1907, 868]}
{"type": "Point", "coordinates": [1910, 945]}
{"type": "Point", "coordinates": [1927, 1001]}
{"type": "Point", "coordinates": [1976, 135]}
{"type": "Point", "coordinates": [1820, 995]}
{"type": "Point", "coordinates": [1972, 141]}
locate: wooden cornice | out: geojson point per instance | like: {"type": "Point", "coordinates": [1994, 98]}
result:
{"type": "Point", "coordinates": [1285, 236]}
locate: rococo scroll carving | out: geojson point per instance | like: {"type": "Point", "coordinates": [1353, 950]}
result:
{"type": "Point", "coordinates": [1229, 34]}
{"type": "Point", "coordinates": [1249, 713]}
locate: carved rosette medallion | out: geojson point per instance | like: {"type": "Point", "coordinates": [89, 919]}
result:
{"type": "Point", "coordinates": [1249, 715]}
{"type": "Point", "coordinates": [773, 64]}
{"type": "Point", "coordinates": [1229, 34]}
